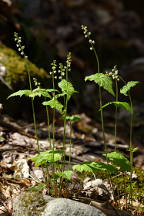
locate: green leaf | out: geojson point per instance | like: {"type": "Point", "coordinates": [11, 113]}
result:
{"type": "Point", "coordinates": [73, 118]}
{"type": "Point", "coordinates": [37, 188]}
{"type": "Point", "coordinates": [20, 93]}
{"type": "Point", "coordinates": [60, 95]}
{"type": "Point", "coordinates": [38, 92]}
{"type": "Point", "coordinates": [84, 167]}
{"type": "Point", "coordinates": [66, 88]}
{"type": "Point", "coordinates": [52, 90]}
{"type": "Point", "coordinates": [133, 149]}
{"type": "Point", "coordinates": [67, 174]}
{"type": "Point", "coordinates": [123, 105]}
{"type": "Point", "coordinates": [100, 166]}
{"type": "Point", "coordinates": [103, 80]}
{"type": "Point", "coordinates": [119, 160]}
{"type": "Point", "coordinates": [50, 156]}
{"type": "Point", "coordinates": [54, 103]}
{"type": "Point", "coordinates": [126, 88]}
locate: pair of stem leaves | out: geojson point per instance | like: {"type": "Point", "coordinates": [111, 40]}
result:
{"type": "Point", "coordinates": [106, 82]}
{"type": "Point", "coordinates": [65, 86]}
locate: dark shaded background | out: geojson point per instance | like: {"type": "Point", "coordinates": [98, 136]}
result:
{"type": "Point", "coordinates": [51, 28]}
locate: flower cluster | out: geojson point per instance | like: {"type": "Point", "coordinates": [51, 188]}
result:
{"type": "Point", "coordinates": [68, 62]}
{"type": "Point", "coordinates": [36, 83]}
{"type": "Point", "coordinates": [87, 35]}
{"type": "Point", "coordinates": [114, 73]}
{"type": "Point", "coordinates": [62, 69]}
{"type": "Point", "coordinates": [19, 44]}
{"type": "Point", "coordinates": [54, 69]}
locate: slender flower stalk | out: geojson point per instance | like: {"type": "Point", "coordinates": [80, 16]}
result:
{"type": "Point", "coordinates": [22, 53]}
{"type": "Point", "coordinates": [115, 76]}
{"type": "Point", "coordinates": [87, 35]}
{"type": "Point", "coordinates": [53, 75]}
{"type": "Point", "coordinates": [67, 69]}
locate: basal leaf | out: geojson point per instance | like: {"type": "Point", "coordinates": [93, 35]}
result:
{"type": "Point", "coordinates": [67, 174]}
{"type": "Point", "coordinates": [126, 88]}
{"type": "Point", "coordinates": [54, 103]}
{"type": "Point", "coordinates": [46, 157]}
{"type": "Point", "coordinates": [100, 166]}
{"type": "Point", "coordinates": [66, 87]}
{"type": "Point", "coordinates": [38, 92]}
{"type": "Point", "coordinates": [84, 167]}
{"type": "Point", "coordinates": [119, 160]}
{"type": "Point", "coordinates": [103, 80]}
{"type": "Point", "coordinates": [37, 188]}
{"type": "Point", "coordinates": [123, 105]}
{"type": "Point", "coordinates": [20, 93]}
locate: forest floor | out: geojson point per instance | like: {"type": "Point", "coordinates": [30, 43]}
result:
{"type": "Point", "coordinates": [17, 144]}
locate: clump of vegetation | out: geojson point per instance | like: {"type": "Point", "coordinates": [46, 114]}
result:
{"type": "Point", "coordinates": [117, 169]}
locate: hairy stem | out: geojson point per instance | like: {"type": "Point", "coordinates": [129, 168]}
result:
{"type": "Point", "coordinates": [116, 98]}
{"type": "Point", "coordinates": [100, 98]}
{"type": "Point", "coordinates": [131, 147]}
{"type": "Point", "coordinates": [48, 126]}
{"type": "Point", "coordinates": [33, 109]}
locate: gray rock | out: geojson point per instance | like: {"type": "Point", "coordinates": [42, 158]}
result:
{"type": "Point", "coordinates": [67, 207]}
{"type": "Point", "coordinates": [35, 204]}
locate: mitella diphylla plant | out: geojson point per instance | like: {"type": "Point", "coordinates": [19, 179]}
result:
{"type": "Point", "coordinates": [54, 172]}
{"type": "Point", "coordinates": [109, 81]}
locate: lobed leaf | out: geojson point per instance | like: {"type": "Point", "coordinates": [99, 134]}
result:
{"type": "Point", "coordinates": [123, 105]}
{"type": "Point", "coordinates": [100, 166]}
{"type": "Point", "coordinates": [47, 157]}
{"type": "Point", "coordinates": [54, 103]}
{"type": "Point", "coordinates": [66, 88]}
{"type": "Point", "coordinates": [126, 88]}
{"type": "Point", "coordinates": [67, 174]}
{"type": "Point", "coordinates": [20, 93]}
{"type": "Point", "coordinates": [103, 80]}
{"type": "Point", "coordinates": [119, 160]}
{"type": "Point", "coordinates": [37, 188]}
{"type": "Point", "coordinates": [38, 92]}
{"type": "Point", "coordinates": [83, 167]}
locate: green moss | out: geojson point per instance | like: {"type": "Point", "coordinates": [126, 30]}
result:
{"type": "Point", "coordinates": [16, 73]}
{"type": "Point", "coordinates": [30, 203]}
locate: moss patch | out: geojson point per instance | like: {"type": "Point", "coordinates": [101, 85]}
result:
{"type": "Point", "coordinates": [16, 74]}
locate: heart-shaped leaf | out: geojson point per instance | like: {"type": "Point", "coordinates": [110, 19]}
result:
{"type": "Point", "coordinates": [54, 103]}
{"type": "Point", "coordinates": [123, 105]}
{"type": "Point", "coordinates": [66, 88]}
{"type": "Point", "coordinates": [20, 93]}
{"type": "Point", "coordinates": [119, 160]}
{"type": "Point", "coordinates": [103, 80]}
{"type": "Point", "coordinates": [126, 88]}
